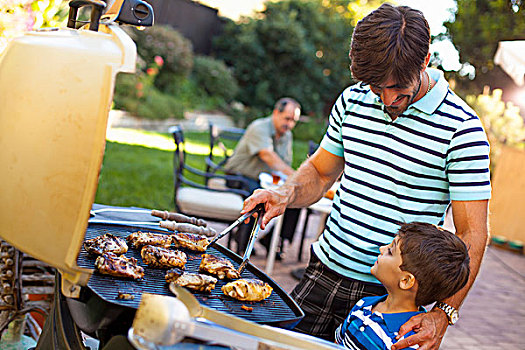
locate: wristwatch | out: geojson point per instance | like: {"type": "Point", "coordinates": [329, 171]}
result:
{"type": "Point", "coordinates": [450, 311]}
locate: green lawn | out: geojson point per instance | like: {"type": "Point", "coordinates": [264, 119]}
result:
{"type": "Point", "coordinates": [138, 166]}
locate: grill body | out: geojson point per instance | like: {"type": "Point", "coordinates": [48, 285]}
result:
{"type": "Point", "coordinates": [98, 312]}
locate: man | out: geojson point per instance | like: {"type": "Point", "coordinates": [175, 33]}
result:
{"type": "Point", "coordinates": [266, 146]}
{"type": "Point", "coordinates": [408, 148]}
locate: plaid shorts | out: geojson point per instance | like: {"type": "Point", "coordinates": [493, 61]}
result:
{"type": "Point", "coordinates": [327, 298]}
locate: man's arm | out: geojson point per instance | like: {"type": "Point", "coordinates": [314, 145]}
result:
{"type": "Point", "coordinates": [275, 162]}
{"type": "Point", "coordinates": [470, 219]}
{"type": "Point", "coordinates": [306, 186]}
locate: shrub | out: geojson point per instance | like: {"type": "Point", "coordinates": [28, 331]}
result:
{"type": "Point", "coordinates": [158, 105]}
{"type": "Point", "coordinates": [310, 130]}
{"type": "Point", "coordinates": [163, 41]}
{"type": "Point", "coordinates": [137, 94]}
{"type": "Point", "coordinates": [126, 95]}
{"type": "Point", "coordinates": [502, 121]}
{"type": "Point", "coordinates": [294, 48]}
{"type": "Point", "coordinates": [214, 77]}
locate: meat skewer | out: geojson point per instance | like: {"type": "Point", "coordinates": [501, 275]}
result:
{"type": "Point", "coordinates": [166, 215]}
{"type": "Point", "coordinates": [188, 228]}
{"type": "Point", "coordinates": [170, 225]}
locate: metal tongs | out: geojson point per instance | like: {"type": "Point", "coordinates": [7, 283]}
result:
{"type": "Point", "coordinates": [259, 209]}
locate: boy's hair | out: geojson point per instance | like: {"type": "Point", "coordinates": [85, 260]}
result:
{"type": "Point", "coordinates": [389, 43]}
{"type": "Point", "coordinates": [437, 258]}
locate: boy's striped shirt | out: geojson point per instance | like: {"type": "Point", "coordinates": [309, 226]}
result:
{"type": "Point", "coordinates": [367, 330]}
{"type": "Point", "coordinates": [398, 171]}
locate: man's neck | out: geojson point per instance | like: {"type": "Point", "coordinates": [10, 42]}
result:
{"type": "Point", "coordinates": [396, 303]}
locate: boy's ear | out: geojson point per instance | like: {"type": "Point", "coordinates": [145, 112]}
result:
{"type": "Point", "coordinates": [407, 281]}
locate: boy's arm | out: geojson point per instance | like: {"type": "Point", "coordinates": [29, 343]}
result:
{"type": "Point", "coordinates": [470, 219]}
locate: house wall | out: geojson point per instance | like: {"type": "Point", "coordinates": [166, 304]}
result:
{"type": "Point", "coordinates": [507, 206]}
{"type": "Point", "coordinates": [197, 22]}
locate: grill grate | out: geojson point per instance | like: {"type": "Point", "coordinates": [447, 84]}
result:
{"type": "Point", "coordinates": [278, 309]}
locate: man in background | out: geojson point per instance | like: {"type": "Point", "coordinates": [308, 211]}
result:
{"type": "Point", "coordinates": [266, 147]}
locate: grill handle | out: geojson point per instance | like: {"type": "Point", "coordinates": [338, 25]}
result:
{"type": "Point", "coordinates": [97, 6]}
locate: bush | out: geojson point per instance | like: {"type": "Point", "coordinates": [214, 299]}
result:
{"type": "Point", "coordinates": [126, 95]}
{"type": "Point", "coordinates": [310, 130]}
{"type": "Point", "coordinates": [136, 94]}
{"type": "Point", "coordinates": [502, 121]}
{"type": "Point", "coordinates": [163, 41]}
{"type": "Point", "coordinates": [214, 77]}
{"type": "Point", "coordinates": [294, 48]}
{"type": "Point", "coordinates": [158, 105]}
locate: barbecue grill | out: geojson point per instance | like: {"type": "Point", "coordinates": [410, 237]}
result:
{"type": "Point", "coordinates": [55, 89]}
{"type": "Point", "coordinates": [279, 309]}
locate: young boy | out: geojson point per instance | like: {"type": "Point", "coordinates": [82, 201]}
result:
{"type": "Point", "coordinates": [423, 264]}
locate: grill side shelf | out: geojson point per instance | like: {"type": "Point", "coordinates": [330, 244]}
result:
{"type": "Point", "coordinates": [279, 309]}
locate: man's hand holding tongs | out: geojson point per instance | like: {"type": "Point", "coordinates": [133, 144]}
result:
{"type": "Point", "coordinates": [274, 201]}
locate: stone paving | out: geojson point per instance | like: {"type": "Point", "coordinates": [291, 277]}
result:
{"type": "Point", "coordinates": [492, 316]}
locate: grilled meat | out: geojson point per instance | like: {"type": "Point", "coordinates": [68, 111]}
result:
{"type": "Point", "coordinates": [125, 296]}
{"type": "Point", "coordinates": [190, 241]}
{"type": "Point", "coordinates": [195, 281]}
{"type": "Point", "coordinates": [218, 266]}
{"type": "Point", "coordinates": [247, 290]}
{"type": "Point", "coordinates": [106, 243]}
{"type": "Point", "coordinates": [247, 308]}
{"type": "Point", "coordinates": [119, 266]}
{"type": "Point", "coordinates": [139, 239]}
{"type": "Point", "coordinates": [162, 257]}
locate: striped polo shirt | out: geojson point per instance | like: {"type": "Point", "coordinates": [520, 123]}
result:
{"type": "Point", "coordinates": [367, 330]}
{"type": "Point", "coordinates": [398, 171]}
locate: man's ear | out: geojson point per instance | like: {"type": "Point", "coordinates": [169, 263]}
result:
{"type": "Point", "coordinates": [407, 281]}
{"type": "Point", "coordinates": [427, 60]}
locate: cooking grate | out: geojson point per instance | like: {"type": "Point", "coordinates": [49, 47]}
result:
{"type": "Point", "coordinates": [278, 309]}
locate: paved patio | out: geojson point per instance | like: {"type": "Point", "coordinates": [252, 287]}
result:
{"type": "Point", "coordinates": [492, 316]}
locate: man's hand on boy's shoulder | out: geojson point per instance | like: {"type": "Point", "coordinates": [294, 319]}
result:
{"type": "Point", "coordinates": [429, 327]}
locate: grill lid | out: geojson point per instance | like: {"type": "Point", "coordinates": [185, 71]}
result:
{"type": "Point", "coordinates": [56, 89]}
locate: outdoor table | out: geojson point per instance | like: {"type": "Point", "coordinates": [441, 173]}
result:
{"type": "Point", "coordinates": [324, 205]}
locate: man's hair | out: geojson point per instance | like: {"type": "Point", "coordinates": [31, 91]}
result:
{"type": "Point", "coordinates": [437, 258]}
{"type": "Point", "coordinates": [280, 105]}
{"type": "Point", "coordinates": [389, 43]}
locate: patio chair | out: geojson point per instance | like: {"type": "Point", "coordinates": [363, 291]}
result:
{"type": "Point", "coordinates": [215, 163]}
{"type": "Point", "coordinates": [193, 197]}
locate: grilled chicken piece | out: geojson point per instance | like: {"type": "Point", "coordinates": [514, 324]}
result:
{"type": "Point", "coordinates": [190, 241]}
{"type": "Point", "coordinates": [247, 290]}
{"type": "Point", "coordinates": [106, 243]}
{"type": "Point", "coordinates": [195, 281]}
{"type": "Point", "coordinates": [139, 239]}
{"type": "Point", "coordinates": [119, 266]}
{"type": "Point", "coordinates": [162, 257]}
{"type": "Point", "coordinates": [218, 266]}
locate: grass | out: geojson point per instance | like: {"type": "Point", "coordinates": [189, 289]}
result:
{"type": "Point", "coordinates": [138, 166]}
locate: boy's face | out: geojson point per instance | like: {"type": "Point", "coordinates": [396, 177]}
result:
{"type": "Point", "coordinates": [386, 268]}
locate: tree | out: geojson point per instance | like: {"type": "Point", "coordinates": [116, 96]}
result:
{"type": "Point", "coordinates": [293, 48]}
{"type": "Point", "coordinates": [476, 30]}
{"type": "Point", "coordinates": [18, 16]}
